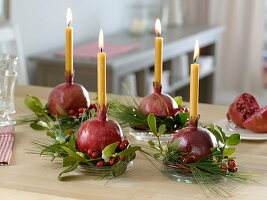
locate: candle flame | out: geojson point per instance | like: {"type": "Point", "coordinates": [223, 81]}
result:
{"type": "Point", "coordinates": [69, 17]}
{"type": "Point", "coordinates": [158, 27]}
{"type": "Point", "coordinates": [196, 51]}
{"type": "Point", "coordinates": [101, 40]}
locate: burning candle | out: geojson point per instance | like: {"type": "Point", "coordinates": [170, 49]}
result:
{"type": "Point", "coordinates": [194, 84]}
{"type": "Point", "coordinates": [101, 72]}
{"type": "Point", "coordinates": [158, 54]}
{"type": "Point", "coordinates": [69, 44]}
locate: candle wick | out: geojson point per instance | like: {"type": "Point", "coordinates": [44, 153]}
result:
{"type": "Point", "coordinates": [195, 60]}
{"type": "Point", "coordinates": [101, 50]}
{"type": "Point", "coordinates": [158, 34]}
{"type": "Point", "coordinates": [69, 23]}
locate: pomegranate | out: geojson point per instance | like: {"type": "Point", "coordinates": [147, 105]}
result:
{"type": "Point", "coordinates": [65, 97]}
{"type": "Point", "coordinates": [243, 107]}
{"type": "Point", "coordinates": [68, 97]}
{"type": "Point", "coordinates": [159, 104]}
{"type": "Point", "coordinates": [97, 133]}
{"type": "Point", "coordinates": [257, 122]}
{"type": "Point", "coordinates": [196, 142]}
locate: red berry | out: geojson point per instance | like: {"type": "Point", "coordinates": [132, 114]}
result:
{"type": "Point", "coordinates": [70, 133]}
{"type": "Point", "coordinates": [186, 110]}
{"type": "Point", "coordinates": [231, 163]}
{"type": "Point", "coordinates": [122, 146]}
{"type": "Point", "coordinates": [233, 169]}
{"type": "Point", "coordinates": [112, 161]}
{"type": "Point", "coordinates": [122, 158]}
{"type": "Point", "coordinates": [71, 112]}
{"type": "Point", "coordinates": [90, 151]}
{"type": "Point", "coordinates": [94, 155]}
{"type": "Point", "coordinates": [126, 142]}
{"type": "Point", "coordinates": [225, 168]}
{"type": "Point", "coordinates": [80, 110]}
{"type": "Point", "coordinates": [100, 164]}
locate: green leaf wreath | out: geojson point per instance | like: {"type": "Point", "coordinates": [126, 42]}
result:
{"type": "Point", "coordinates": [212, 171]}
{"type": "Point", "coordinates": [62, 132]}
{"type": "Point", "coordinates": [129, 114]}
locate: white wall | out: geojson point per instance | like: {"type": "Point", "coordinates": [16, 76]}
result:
{"type": "Point", "coordinates": [42, 22]}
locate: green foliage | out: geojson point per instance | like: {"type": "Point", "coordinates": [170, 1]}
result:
{"type": "Point", "coordinates": [152, 123]}
{"type": "Point", "coordinates": [110, 149]}
{"type": "Point", "coordinates": [226, 144]}
{"type": "Point", "coordinates": [131, 115]}
{"type": "Point", "coordinates": [178, 100]}
{"type": "Point", "coordinates": [129, 151]}
{"type": "Point", "coordinates": [234, 139]}
{"type": "Point", "coordinates": [43, 120]}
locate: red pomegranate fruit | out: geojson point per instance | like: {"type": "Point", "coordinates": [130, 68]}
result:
{"type": "Point", "coordinates": [257, 122]}
{"type": "Point", "coordinates": [65, 97]}
{"type": "Point", "coordinates": [243, 107]}
{"type": "Point", "coordinates": [159, 104]}
{"type": "Point", "coordinates": [97, 133]}
{"type": "Point", "coordinates": [196, 142]}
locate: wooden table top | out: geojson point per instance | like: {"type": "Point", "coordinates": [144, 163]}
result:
{"type": "Point", "coordinates": [33, 177]}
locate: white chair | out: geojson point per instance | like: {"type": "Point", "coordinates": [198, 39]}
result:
{"type": "Point", "coordinates": [10, 42]}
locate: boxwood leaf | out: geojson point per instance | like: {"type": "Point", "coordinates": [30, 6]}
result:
{"type": "Point", "coordinates": [156, 155]}
{"type": "Point", "coordinates": [129, 151]}
{"type": "Point", "coordinates": [151, 143]}
{"type": "Point", "coordinates": [70, 169]}
{"type": "Point", "coordinates": [178, 100]}
{"type": "Point", "coordinates": [30, 103]}
{"type": "Point", "coordinates": [228, 151]}
{"type": "Point", "coordinates": [74, 155]}
{"type": "Point", "coordinates": [36, 126]}
{"type": "Point", "coordinates": [151, 120]}
{"type": "Point", "coordinates": [110, 149]}
{"type": "Point", "coordinates": [162, 129]}
{"type": "Point", "coordinates": [234, 139]}
{"type": "Point", "coordinates": [174, 144]}
{"type": "Point", "coordinates": [68, 161]}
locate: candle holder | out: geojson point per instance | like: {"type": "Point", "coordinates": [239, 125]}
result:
{"type": "Point", "coordinates": [168, 111]}
{"type": "Point", "coordinates": [200, 155]}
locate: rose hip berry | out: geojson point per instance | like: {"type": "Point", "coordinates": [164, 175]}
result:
{"type": "Point", "coordinates": [231, 163]}
{"type": "Point", "coordinates": [233, 169]}
{"type": "Point", "coordinates": [122, 158]}
{"type": "Point", "coordinates": [71, 112]}
{"type": "Point", "coordinates": [90, 151]}
{"type": "Point", "coordinates": [100, 164]}
{"type": "Point", "coordinates": [80, 110]}
{"type": "Point", "coordinates": [94, 155]}
{"type": "Point", "coordinates": [122, 146]}
{"type": "Point", "coordinates": [112, 161]}
{"type": "Point", "coordinates": [126, 142]}
{"type": "Point", "coordinates": [225, 168]}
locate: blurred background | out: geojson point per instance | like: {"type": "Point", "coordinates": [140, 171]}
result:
{"type": "Point", "coordinates": [230, 33]}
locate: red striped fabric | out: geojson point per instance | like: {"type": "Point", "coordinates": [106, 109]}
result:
{"type": "Point", "coordinates": [6, 143]}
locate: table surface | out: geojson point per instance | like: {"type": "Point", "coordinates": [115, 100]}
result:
{"type": "Point", "coordinates": [32, 177]}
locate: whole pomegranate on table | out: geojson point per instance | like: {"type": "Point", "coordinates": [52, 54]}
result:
{"type": "Point", "coordinates": [158, 103]}
{"type": "Point", "coordinates": [68, 96]}
{"type": "Point", "coordinates": [245, 112]}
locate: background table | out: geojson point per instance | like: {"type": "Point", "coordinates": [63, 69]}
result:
{"type": "Point", "coordinates": [33, 177]}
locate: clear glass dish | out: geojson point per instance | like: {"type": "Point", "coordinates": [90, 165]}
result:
{"type": "Point", "coordinates": [98, 171]}
{"type": "Point", "coordinates": [184, 176]}
{"type": "Point", "coordinates": [146, 136]}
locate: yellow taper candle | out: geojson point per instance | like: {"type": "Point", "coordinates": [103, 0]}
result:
{"type": "Point", "coordinates": [194, 84]}
{"type": "Point", "coordinates": [101, 72]}
{"type": "Point", "coordinates": [69, 44]}
{"type": "Point", "coordinates": [158, 53]}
